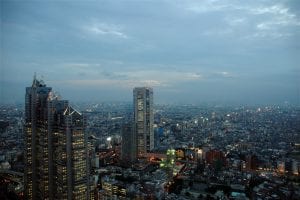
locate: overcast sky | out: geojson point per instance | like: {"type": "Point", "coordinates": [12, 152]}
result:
{"type": "Point", "coordinates": [245, 52]}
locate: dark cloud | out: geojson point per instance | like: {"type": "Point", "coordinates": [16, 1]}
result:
{"type": "Point", "coordinates": [176, 46]}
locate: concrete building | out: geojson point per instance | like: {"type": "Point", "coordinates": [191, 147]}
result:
{"type": "Point", "coordinates": [36, 141]}
{"type": "Point", "coordinates": [70, 155]}
{"type": "Point", "coordinates": [56, 164]}
{"type": "Point", "coordinates": [128, 153]}
{"type": "Point", "coordinates": [143, 119]}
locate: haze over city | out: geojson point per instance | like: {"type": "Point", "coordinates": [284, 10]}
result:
{"type": "Point", "coordinates": [188, 51]}
{"type": "Point", "coordinates": [166, 100]}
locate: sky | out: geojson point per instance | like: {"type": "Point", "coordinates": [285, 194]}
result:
{"type": "Point", "coordinates": [208, 51]}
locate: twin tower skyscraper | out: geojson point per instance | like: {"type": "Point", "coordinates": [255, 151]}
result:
{"type": "Point", "coordinates": [56, 149]}
{"type": "Point", "coordinates": [56, 164]}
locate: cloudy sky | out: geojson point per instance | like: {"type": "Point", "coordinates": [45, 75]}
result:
{"type": "Point", "coordinates": [245, 52]}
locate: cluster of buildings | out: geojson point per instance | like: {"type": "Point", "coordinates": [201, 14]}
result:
{"type": "Point", "coordinates": [11, 151]}
{"type": "Point", "coordinates": [145, 151]}
{"type": "Point", "coordinates": [55, 156]}
{"type": "Point", "coordinates": [11, 144]}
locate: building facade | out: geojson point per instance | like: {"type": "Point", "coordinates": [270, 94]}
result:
{"type": "Point", "coordinates": [128, 153]}
{"type": "Point", "coordinates": [143, 119]}
{"type": "Point", "coordinates": [56, 164]}
{"type": "Point", "coordinates": [36, 156]}
{"type": "Point", "coordinates": [71, 157]}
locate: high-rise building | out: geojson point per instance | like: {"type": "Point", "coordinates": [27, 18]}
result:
{"type": "Point", "coordinates": [56, 165]}
{"type": "Point", "coordinates": [70, 153]}
{"type": "Point", "coordinates": [143, 119]}
{"type": "Point", "coordinates": [128, 154]}
{"type": "Point", "coordinates": [56, 109]}
{"type": "Point", "coordinates": [36, 141]}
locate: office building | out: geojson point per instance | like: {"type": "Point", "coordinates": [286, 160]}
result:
{"type": "Point", "coordinates": [128, 153]}
{"type": "Point", "coordinates": [56, 164]}
{"type": "Point", "coordinates": [36, 172]}
{"type": "Point", "coordinates": [143, 119]}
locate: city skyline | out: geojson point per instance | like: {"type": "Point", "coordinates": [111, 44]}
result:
{"type": "Point", "coordinates": [49, 150]}
{"type": "Point", "coordinates": [189, 52]}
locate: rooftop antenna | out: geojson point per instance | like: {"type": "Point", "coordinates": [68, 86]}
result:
{"type": "Point", "coordinates": [34, 80]}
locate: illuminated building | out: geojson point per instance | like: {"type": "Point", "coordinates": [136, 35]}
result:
{"type": "Point", "coordinates": [295, 167]}
{"type": "Point", "coordinates": [70, 155]}
{"type": "Point", "coordinates": [199, 154]}
{"type": "Point", "coordinates": [169, 163]}
{"type": "Point", "coordinates": [36, 157]}
{"type": "Point", "coordinates": [281, 167]}
{"type": "Point", "coordinates": [113, 189]}
{"type": "Point", "coordinates": [56, 150]}
{"type": "Point", "coordinates": [143, 119]}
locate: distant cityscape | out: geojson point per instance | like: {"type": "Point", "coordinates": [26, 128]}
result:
{"type": "Point", "coordinates": [51, 148]}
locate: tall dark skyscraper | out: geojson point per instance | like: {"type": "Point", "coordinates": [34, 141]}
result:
{"type": "Point", "coordinates": [56, 165]}
{"type": "Point", "coordinates": [128, 154]}
{"type": "Point", "coordinates": [143, 119]}
{"type": "Point", "coordinates": [36, 141]}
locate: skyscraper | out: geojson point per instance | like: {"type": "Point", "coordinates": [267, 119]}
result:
{"type": "Point", "coordinates": [56, 164]}
{"type": "Point", "coordinates": [56, 142]}
{"type": "Point", "coordinates": [143, 119]}
{"type": "Point", "coordinates": [70, 156]}
{"type": "Point", "coordinates": [36, 141]}
{"type": "Point", "coordinates": [128, 154]}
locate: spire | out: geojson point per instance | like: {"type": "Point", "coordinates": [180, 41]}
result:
{"type": "Point", "coordinates": [34, 82]}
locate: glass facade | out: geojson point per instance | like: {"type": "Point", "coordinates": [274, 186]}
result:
{"type": "Point", "coordinates": [55, 151]}
{"type": "Point", "coordinates": [143, 119]}
{"type": "Point", "coordinates": [36, 141]}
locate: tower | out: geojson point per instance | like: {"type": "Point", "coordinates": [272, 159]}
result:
{"type": "Point", "coordinates": [128, 154]}
{"type": "Point", "coordinates": [56, 165]}
{"type": "Point", "coordinates": [143, 119]}
{"type": "Point", "coordinates": [70, 159]}
{"type": "Point", "coordinates": [55, 123]}
{"type": "Point", "coordinates": [36, 141]}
